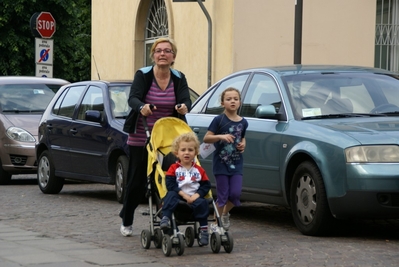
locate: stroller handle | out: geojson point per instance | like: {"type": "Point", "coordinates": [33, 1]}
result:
{"type": "Point", "coordinates": [147, 131]}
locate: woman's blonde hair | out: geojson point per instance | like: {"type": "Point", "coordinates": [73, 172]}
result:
{"type": "Point", "coordinates": [186, 137]}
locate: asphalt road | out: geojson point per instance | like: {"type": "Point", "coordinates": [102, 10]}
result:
{"type": "Point", "coordinates": [263, 235]}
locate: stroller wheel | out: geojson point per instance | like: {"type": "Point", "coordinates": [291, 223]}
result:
{"type": "Point", "coordinates": [158, 238]}
{"type": "Point", "coordinates": [189, 236]}
{"type": "Point", "coordinates": [146, 239]}
{"type": "Point", "coordinates": [216, 242]}
{"type": "Point", "coordinates": [166, 245]}
{"type": "Point", "coordinates": [180, 247]}
{"type": "Point", "coordinates": [229, 244]}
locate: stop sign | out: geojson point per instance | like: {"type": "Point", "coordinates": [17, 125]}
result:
{"type": "Point", "coordinates": [45, 24]}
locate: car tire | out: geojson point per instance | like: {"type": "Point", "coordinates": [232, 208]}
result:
{"type": "Point", "coordinates": [309, 205]}
{"type": "Point", "coordinates": [46, 179]}
{"type": "Point", "coordinates": [5, 177]}
{"type": "Point", "coordinates": [122, 165]}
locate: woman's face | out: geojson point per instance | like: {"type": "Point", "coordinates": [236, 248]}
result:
{"type": "Point", "coordinates": [164, 54]}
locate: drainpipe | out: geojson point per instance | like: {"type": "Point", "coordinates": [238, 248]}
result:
{"type": "Point", "coordinates": [298, 32]}
{"type": "Point", "coordinates": [209, 41]}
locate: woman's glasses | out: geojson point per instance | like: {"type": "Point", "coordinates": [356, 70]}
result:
{"type": "Point", "coordinates": [166, 51]}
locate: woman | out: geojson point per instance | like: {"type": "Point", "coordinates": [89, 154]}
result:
{"type": "Point", "coordinates": [166, 90]}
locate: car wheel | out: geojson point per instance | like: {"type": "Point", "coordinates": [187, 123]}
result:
{"type": "Point", "coordinates": [5, 177]}
{"type": "Point", "coordinates": [47, 181]}
{"type": "Point", "coordinates": [122, 164]}
{"type": "Point", "coordinates": [309, 204]}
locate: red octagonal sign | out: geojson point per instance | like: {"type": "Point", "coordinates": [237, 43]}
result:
{"type": "Point", "coordinates": [45, 24]}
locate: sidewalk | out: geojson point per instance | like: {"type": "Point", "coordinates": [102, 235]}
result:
{"type": "Point", "coordinates": [26, 248]}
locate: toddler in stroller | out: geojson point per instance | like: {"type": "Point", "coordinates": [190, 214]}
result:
{"type": "Point", "coordinates": [162, 162]}
{"type": "Point", "coordinates": [185, 180]}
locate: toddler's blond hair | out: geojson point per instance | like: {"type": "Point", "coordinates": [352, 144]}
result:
{"type": "Point", "coordinates": [186, 137]}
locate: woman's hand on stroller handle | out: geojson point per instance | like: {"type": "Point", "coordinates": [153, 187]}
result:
{"type": "Point", "coordinates": [181, 109]}
{"type": "Point", "coordinates": [147, 109]}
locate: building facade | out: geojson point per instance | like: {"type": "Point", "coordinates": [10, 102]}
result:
{"type": "Point", "coordinates": [217, 37]}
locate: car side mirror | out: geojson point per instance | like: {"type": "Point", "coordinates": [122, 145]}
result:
{"type": "Point", "coordinates": [93, 115]}
{"type": "Point", "coordinates": [267, 112]}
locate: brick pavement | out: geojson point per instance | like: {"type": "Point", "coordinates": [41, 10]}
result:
{"type": "Point", "coordinates": [263, 235]}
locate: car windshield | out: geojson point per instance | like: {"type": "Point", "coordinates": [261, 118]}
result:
{"type": "Point", "coordinates": [119, 100]}
{"type": "Point", "coordinates": [343, 94]}
{"type": "Point", "coordinates": [26, 97]}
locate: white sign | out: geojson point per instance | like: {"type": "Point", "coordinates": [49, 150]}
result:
{"type": "Point", "coordinates": [44, 51]}
{"type": "Point", "coordinates": [43, 70]}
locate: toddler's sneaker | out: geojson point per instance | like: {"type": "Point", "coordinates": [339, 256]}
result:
{"type": "Point", "coordinates": [127, 230]}
{"type": "Point", "coordinates": [204, 238]}
{"type": "Point", "coordinates": [165, 223]}
{"type": "Point", "coordinates": [226, 221]}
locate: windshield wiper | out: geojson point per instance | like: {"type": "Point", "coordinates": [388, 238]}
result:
{"type": "Point", "coordinates": [342, 115]}
{"type": "Point", "coordinates": [390, 113]}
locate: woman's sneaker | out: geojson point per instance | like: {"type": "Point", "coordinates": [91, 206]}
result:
{"type": "Point", "coordinates": [126, 230]}
{"type": "Point", "coordinates": [226, 221]}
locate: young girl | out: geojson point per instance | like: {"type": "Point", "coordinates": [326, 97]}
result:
{"type": "Point", "coordinates": [189, 181]}
{"type": "Point", "coordinates": [227, 131]}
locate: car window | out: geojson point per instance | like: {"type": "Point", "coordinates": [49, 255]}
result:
{"type": "Point", "coordinates": [262, 90]}
{"type": "Point", "coordinates": [25, 97]}
{"type": "Point", "coordinates": [193, 95]}
{"type": "Point", "coordinates": [66, 103]}
{"type": "Point", "coordinates": [200, 103]}
{"type": "Point", "coordinates": [93, 100]}
{"type": "Point", "coordinates": [119, 100]}
{"type": "Point", "coordinates": [214, 106]}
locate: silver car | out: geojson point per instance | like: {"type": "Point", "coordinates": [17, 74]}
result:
{"type": "Point", "coordinates": [22, 103]}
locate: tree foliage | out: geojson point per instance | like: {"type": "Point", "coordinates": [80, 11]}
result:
{"type": "Point", "coordinates": [72, 39]}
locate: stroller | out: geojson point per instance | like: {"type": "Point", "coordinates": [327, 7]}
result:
{"type": "Point", "coordinates": [160, 158]}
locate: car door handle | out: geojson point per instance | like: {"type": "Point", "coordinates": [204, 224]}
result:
{"type": "Point", "coordinates": [196, 130]}
{"type": "Point", "coordinates": [73, 131]}
{"type": "Point", "coordinates": [49, 127]}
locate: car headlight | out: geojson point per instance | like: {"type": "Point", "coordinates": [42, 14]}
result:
{"type": "Point", "coordinates": [372, 154]}
{"type": "Point", "coordinates": [20, 135]}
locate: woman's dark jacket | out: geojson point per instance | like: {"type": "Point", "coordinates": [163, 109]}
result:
{"type": "Point", "coordinates": [141, 85]}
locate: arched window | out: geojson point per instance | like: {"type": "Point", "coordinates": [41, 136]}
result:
{"type": "Point", "coordinates": [157, 26]}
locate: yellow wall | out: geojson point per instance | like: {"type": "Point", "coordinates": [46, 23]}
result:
{"type": "Point", "coordinates": [339, 32]}
{"type": "Point", "coordinates": [112, 38]}
{"type": "Point", "coordinates": [245, 33]}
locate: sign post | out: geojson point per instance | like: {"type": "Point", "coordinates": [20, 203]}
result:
{"type": "Point", "coordinates": [43, 25]}
{"type": "Point", "coordinates": [44, 57]}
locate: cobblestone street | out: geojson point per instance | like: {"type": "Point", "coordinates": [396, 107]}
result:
{"type": "Point", "coordinates": [263, 235]}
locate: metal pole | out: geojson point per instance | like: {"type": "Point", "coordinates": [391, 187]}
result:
{"type": "Point", "coordinates": [209, 41]}
{"type": "Point", "coordinates": [298, 32]}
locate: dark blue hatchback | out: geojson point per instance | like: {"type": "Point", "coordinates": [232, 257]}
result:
{"type": "Point", "coordinates": [81, 137]}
